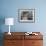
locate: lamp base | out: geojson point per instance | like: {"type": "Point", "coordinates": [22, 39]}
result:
{"type": "Point", "coordinates": [9, 33]}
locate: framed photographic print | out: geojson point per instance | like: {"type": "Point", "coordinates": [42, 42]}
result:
{"type": "Point", "coordinates": [26, 15]}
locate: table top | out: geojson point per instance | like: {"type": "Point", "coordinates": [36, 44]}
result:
{"type": "Point", "coordinates": [22, 35]}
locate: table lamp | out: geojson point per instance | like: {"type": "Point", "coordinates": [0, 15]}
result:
{"type": "Point", "coordinates": [9, 21]}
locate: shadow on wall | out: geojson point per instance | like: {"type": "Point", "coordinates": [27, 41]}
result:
{"type": "Point", "coordinates": [2, 21]}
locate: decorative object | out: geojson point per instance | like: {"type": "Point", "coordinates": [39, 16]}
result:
{"type": "Point", "coordinates": [9, 21]}
{"type": "Point", "coordinates": [26, 15]}
{"type": "Point", "coordinates": [30, 33]}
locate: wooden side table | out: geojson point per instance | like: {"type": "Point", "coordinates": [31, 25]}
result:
{"type": "Point", "coordinates": [20, 39]}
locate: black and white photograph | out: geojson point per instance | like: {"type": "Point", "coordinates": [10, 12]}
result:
{"type": "Point", "coordinates": [26, 15]}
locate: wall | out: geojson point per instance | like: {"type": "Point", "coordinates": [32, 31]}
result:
{"type": "Point", "coordinates": [9, 8]}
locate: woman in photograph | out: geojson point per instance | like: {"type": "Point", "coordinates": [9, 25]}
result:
{"type": "Point", "coordinates": [24, 15]}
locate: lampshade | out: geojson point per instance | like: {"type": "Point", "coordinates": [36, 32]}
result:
{"type": "Point", "coordinates": [9, 21]}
